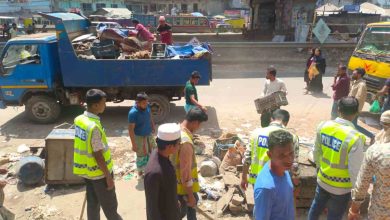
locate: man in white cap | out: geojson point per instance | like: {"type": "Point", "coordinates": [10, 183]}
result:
{"type": "Point", "coordinates": [165, 31]}
{"type": "Point", "coordinates": [160, 178]}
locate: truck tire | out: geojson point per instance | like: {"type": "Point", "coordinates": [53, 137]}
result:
{"type": "Point", "coordinates": [160, 107]}
{"type": "Point", "coordinates": [43, 109]}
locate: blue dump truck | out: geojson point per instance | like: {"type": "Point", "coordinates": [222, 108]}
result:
{"type": "Point", "coordinates": [52, 76]}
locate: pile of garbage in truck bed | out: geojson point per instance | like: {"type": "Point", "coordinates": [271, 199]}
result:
{"type": "Point", "coordinates": [113, 43]}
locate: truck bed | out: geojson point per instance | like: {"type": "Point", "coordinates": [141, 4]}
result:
{"type": "Point", "coordinates": [77, 72]}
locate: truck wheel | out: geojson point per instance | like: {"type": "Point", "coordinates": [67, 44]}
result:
{"type": "Point", "coordinates": [42, 109]}
{"type": "Point", "coordinates": [159, 106]}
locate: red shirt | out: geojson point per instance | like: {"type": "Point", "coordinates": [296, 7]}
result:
{"type": "Point", "coordinates": [145, 34]}
{"type": "Point", "coordinates": [341, 87]}
{"type": "Point", "coordinates": [166, 34]}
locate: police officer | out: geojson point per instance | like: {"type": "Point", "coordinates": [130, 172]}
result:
{"type": "Point", "coordinates": [92, 159]}
{"type": "Point", "coordinates": [338, 153]}
{"type": "Point", "coordinates": [256, 154]}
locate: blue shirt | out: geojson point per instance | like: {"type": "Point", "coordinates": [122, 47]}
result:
{"type": "Point", "coordinates": [142, 121]}
{"type": "Point", "coordinates": [274, 198]}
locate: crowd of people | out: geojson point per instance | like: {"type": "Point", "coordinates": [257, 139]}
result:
{"type": "Point", "coordinates": [168, 166]}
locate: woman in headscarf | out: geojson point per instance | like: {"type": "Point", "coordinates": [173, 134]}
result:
{"type": "Point", "coordinates": [315, 84]}
{"type": "Point", "coordinates": [384, 135]}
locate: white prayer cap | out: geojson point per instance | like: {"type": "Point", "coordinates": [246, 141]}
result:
{"type": "Point", "coordinates": [169, 132]}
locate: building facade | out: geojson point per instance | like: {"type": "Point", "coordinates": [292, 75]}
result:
{"type": "Point", "coordinates": [206, 7]}
{"type": "Point", "coordinates": [11, 7]}
{"type": "Point", "coordinates": [279, 16]}
{"type": "Point", "coordinates": [87, 6]}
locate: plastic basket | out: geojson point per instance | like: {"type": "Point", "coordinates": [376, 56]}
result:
{"type": "Point", "coordinates": [221, 146]}
{"type": "Point", "coordinates": [270, 102]}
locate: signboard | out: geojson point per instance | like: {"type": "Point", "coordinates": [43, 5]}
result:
{"type": "Point", "coordinates": [352, 8]}
{"type": "Point", "coordinates": [321, 31]}
{"type": "Point", "coordinates": [232, 13]}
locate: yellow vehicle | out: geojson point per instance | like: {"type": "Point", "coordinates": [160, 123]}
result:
{"type": "Point", "coordinates": [236, 23]}
{"type": "Point", "coordinates": [373, 54]}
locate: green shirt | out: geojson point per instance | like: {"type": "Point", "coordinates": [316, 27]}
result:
{"type": "Point", "coordinates": [189, 91]}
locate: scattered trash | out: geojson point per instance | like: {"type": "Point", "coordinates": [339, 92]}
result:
{"type": "Point", "coordinates": [44, 213]}
{"type": "Point", "coordinates": [48, 189]}
{"type": "Point", "coordinates": [223, 143]}
{"type": "Point", "coordinates": [212, 194]}
{"type": "Point", "coordinates": [233, 157]}
{"type": "Point", "coordinates": [13, 157]}
{"type": "Point", "coordinates": [129, 176]}
{"type": "Point", "coordinates": [23, 148]}
{"type": "Point", "coordinates": [199, 147]}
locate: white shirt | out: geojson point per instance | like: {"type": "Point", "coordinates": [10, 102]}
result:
{"type": "Point", "coordinates": [355, 159]}
{"type": "Point", "coordinates": [274, 86]}
{"type": "Point", "coordinates": [96, 139]}
{"type": "Point", "coordinates": [13, 33]}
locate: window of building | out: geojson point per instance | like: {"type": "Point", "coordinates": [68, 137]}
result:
{"type": "Point", "coordinates": [135, 8]}
{"type": "Point", "coordinates": [100, 5]}
{"type": "Point", "coordinates": [145, 9]}
{"type": "Point", "coordinates": [184, 8]}
{"type": "Point", "coordinates": [114, 5]}
{"type": "Point", "coordinates": [86, 6]}
{"type": "Point", "coordinates": [195, 7]}
{"type": "Point", "coordinates": [153, 7]}
{"type": "Point", "coordinates": [170, 6]}
{"type": "Point", "coordinates": [162, 8]}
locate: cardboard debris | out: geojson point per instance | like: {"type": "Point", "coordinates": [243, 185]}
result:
{"type": "Point", "coordinates": [231, 180]}
{"type": "Point", "coordinates": [235, 209]}
{"type": "Point", "coordinates": [237, 200]}
{"type": "Point", "coordinates": [249, 197]}
{"type": "Point", "coordinates": [223, 203]}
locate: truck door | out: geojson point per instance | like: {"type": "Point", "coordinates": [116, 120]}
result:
{"type": "Point", "coordinates": [21, 69]}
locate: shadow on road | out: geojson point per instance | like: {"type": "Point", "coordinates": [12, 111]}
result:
{"type": "Point", "coordinates": [114, 120]}
{"type": "Point", "coordinates": [230, 71]}
{"type": "Point", "coordinates": [321, 95]}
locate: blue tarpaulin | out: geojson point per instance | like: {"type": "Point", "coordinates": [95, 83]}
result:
{"type": "Point", "coordinates": [187, 50]}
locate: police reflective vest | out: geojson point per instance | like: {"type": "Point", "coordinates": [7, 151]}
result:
{"type": "Point", "coordinates": [84, 163]}
{"type": "Point", "coordinates": [336, 142]}
{"type": "Point", "coordinates": [24, 54]}
{"type": "Point", "coordinates": [186, 138]}
{"type": "Point", "coordinates": [259, 148]}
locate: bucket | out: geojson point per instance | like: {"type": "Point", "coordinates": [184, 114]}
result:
{"type": "Point", "coordinates": [30, 170]}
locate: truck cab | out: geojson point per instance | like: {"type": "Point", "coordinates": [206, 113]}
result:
{"type": "Point", "coordinates": [372, 53]}
{"type": "Point", "coordinates": [28, 67]}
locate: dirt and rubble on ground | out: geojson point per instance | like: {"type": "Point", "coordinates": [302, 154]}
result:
{"type": "Point", "coordinates": [221, 194]}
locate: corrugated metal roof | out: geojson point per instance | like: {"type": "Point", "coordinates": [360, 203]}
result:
{"type": "Point", "coordinates": [117, 12]}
